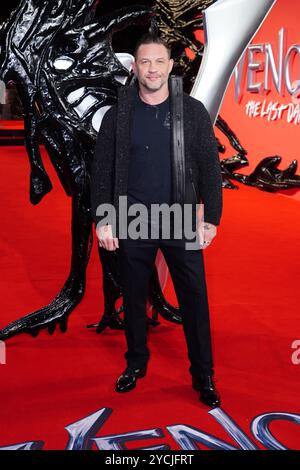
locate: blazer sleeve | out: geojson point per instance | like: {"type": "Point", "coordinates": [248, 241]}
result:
{"type": "Point", "coordinates": [102, 168]}
{"type": "Point", "coordinates": [210, 169]}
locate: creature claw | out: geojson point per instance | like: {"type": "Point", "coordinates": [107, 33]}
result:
{"type": "Point", "coordinates": [101, 327]}
{"type": "Point", "coordinates": [153, 320]}
{"type": "Point", "coordinates": [51, 328]}
{"type": "Point", "coordinates": [40, 185]}
{"type": "Point", "coordinates": [56, 312]}
{"type": "Point", "coordinates": [110, 319]}
{"type": "Point", "coordinates": [172, 315]}
{"type": "Point", "coordinates": [34, 332]}
{"type": "Point", "coordinates": [63, 324]}
{"type": "Point", "coordinates": [290, 170]}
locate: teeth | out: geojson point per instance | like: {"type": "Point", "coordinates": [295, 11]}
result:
{"type": "Point", "coordinates": [120, 79]}
{"type": "Point", "coordinates": [63, 63]}
{"type": "Point", "coordinates": [75, 95]}
{"type": "Point", "coordinates": [125, 59]}
{"type": "Point", "coordinates": [85, 104]}
{"type": "Point", "coordinates": [98, 116]}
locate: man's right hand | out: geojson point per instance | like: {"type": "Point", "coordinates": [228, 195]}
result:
{"type": "Point", "coordinates": [106, 239]}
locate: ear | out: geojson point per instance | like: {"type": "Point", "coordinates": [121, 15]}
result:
{"type": "Point", "coordinates": [171, 63]}
{"type": "Point", "coordinates": [134, 67]}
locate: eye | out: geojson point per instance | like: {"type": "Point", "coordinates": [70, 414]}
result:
{"type": "Point", "coordinates": [63, 63]}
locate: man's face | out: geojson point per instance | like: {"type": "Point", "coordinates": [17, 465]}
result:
{"type": "Point", "coordinates": [152, 66]}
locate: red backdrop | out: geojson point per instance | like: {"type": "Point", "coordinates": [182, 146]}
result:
{"type": "Point", "coordinates": [258, 135]}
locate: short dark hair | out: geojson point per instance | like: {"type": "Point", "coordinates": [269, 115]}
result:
{"type": "Point", "coordinates": [150, 38]}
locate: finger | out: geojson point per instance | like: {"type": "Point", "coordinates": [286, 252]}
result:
{"type": "Point", "coordinates": [201, 236]}
{"type": "Point", "coordinates": [106, 243]}
{"type": "Point", "coordinates": [116, 242]}
{"type": "Point", "coordinates": [111, 246]}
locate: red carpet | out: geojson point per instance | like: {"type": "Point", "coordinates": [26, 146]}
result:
{"type": "Point", "coordinates": [48, 383]}
{"type": "Point", "coordinates": [12, 124]}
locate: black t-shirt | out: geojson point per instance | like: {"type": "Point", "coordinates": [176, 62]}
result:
{"type": "Point", "coordinates": [149, 178]}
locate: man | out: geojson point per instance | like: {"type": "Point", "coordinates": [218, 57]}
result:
{"type": "Point", "coordinates": [155, 149]}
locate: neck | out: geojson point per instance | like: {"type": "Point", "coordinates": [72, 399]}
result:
{"type": "Point", "coordinates": [153, 97]}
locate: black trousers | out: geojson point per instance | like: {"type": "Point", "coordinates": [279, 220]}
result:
{"type": "Point", "coordinates": [186, 267]}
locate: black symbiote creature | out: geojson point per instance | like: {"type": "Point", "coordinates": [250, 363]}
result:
{"type": "Point", "coordinates": [60, 57]}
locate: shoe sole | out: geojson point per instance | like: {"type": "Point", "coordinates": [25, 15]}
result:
{"type": "Point", "coordinates": [128, 389]}
{"type": "Point", "coordinates": [217, 405]}
{"type": "Point", "coordinates": [197, 388]}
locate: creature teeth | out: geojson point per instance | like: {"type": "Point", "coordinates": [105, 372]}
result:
{"type": "Point", "coordinates": [75, 95]}
{"type": "Point", "coordinates": [98, 116]}
{"type": "Point", "coordinates": [85, 105]}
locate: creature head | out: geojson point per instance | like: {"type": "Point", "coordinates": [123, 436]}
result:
{"type": "Point", "coordinates": [25, 36]}
{"type": "Point", "coordinates": [59, 55]}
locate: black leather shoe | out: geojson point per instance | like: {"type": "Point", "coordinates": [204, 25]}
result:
{"type": "Point", "coordinates": [208, 393]}
{"type": "Point", "coordinates": [127, 381]}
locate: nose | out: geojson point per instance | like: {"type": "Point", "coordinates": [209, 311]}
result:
{"type": "Point", "coordinates": [152, 67]}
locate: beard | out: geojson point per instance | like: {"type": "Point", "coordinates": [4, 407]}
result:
{"type": "Point", "coordinates": [154, 85]}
